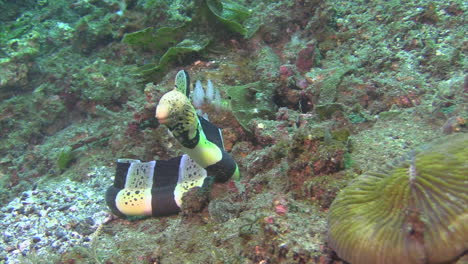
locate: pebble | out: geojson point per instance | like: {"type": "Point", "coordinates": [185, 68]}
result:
{"type": "Point", "coordinates": [7, 237]}
{"type": "Point", "coordinates": [23, 246]}
{"type": "Point", "coordinates": [60, 232]}
{"type": "Point", "coordinates": [36, 239]}
{"type": "Point", "coordinates": [54, 217]}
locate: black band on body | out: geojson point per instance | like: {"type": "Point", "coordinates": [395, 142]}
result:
{"type": "Point", "coordinates": [111, 194]}
{"type": "Point", "coordinates": [212, 132]}
{"type": "Point", "coordinates": [166, 172]}
{"type": "Point", "coordinates": [121, 170]}
{"type": "Point", "coordinates": [163, 202]}
{"type": "Point", "coordinates": [223, 169]}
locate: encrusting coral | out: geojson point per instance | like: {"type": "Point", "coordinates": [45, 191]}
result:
{"type": "Point", "coordinates": [416, 212]}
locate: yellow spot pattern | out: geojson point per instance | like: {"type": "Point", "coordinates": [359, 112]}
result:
{"type": "Point", "coordinates": [135, 198]}
{"type": "Point", "coordinates": [134, 202]}
{"type": "Point", "coordinates": [181, 115]}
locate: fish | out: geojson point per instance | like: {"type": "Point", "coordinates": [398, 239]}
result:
{"type": "Point", "coordinates": [156, 188]}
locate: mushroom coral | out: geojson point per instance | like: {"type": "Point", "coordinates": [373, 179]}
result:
{"type": "Point", "coordinates": [413, 212]}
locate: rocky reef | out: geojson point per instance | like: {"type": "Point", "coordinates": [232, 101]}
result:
{"type": "Point", "coordinates": [312, 95]}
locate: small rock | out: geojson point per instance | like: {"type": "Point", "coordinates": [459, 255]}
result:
{"type": "Point", "coordinates": [10, 248]}
{"type": "Point", "coordinates": [56, 245]}
{"type": "Point", "coordinates": [24, 196]}
{"type": "Point", "coordinates": [73, 208]}
{"type": "Point", "coordinates": [36, 239]}
{"type": "Point", "coordinates": [7, 236]}
{"type": "Point", "coordinates": [20, 210]}
{"type": "Point", "coordinates": [64, 207]}
{"type": "Point", "coordinates": [51, 224]}
{"type": "Point", "coordinates": [60, 232]}
{"type": "Point", "coordinates": [24, 246]}
{"type": "Point", "coordinates": [43, 213]}
{"type": "Point", "coordinates": [75, 235]}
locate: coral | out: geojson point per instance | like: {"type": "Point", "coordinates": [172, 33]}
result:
{"type": "Point", "coordinates": [198, 97]}
{"type": "Point", "coordinates": [326, 111]}
{"type": "Point", "coordinates": [11, 10]}
{"type": "Point", "coordinates": [415, 212]}
{"type": "Point", "coordinates": [221, 211]}
{"type": "Point", "coordinates": [26, 47]}
{"type": "Point", "coordinates": [268, 65]}
{"type": "Point", "coordinates": [92, 34]}
{"type": "Point", "coordinates": [211, 96]}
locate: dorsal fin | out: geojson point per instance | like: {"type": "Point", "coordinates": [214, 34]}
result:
{"type": "Point", "coordinates": [182, 82]}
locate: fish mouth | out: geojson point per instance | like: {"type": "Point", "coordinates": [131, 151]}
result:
{"type": "Point", "coordinates": [162, 114]}
{"type": "Point", "coordinates": [162, 120]}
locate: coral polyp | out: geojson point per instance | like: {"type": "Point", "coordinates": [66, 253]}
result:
{"type": "Point", "coordinates": [414, 212]}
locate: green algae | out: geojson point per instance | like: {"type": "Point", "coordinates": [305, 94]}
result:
{"type": "Point", "coordinates": [177, 42]}
{"type": "Point", "coordinates": [173, 54]}
{"type": "Point", "coordinates": [267, 63]}
{"type": "Point", "coordinates": [326, 111]}
{"type": "Point", "coordinates": [154, 39]}
{"type": "Point", "coordinates": [65, 157]}
{"type": "Point", "coordinates": [171, 43]}
{"type": "Point", "coordinates": [250, 101]}
{"type": "Point", "coordinates": [233, 16]}
{"type": "Point", "coordinates": [341, 135]}
{"type": "Point", "coordinates": [330, 82]}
